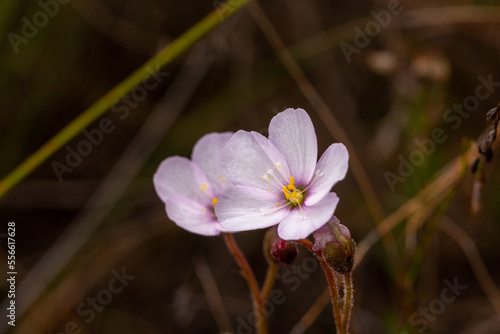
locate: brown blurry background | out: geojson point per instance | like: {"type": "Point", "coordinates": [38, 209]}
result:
{"type": "Point", "coordinates": [74, 233]}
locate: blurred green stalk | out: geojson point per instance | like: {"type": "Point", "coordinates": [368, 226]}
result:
{"type": "Point", "coordinates": [165, 56]}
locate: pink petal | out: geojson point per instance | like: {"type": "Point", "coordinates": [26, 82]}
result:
{"type": "Point", "coordinates": [292, 132]}
{"type": "Point", "coordinates": [206, 154]}
{"type": "Point", "coordinates": [180, 176]}
{"type": "Point", "coordinates": [299, 224]}
{"type": "Point", "coordinates": [192, 216]}
{"type": "Point", "coordinates": [244, 208]}
{"type": "Point", "coordinates": [331, 168]}
{"type": "Point", "coordinates": [248, 157]}
{"type": "Point", "coordinates": [324, 234]}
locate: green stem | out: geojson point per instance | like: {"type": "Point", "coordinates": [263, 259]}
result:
{"type": "Point", "coordinates": [348, 302]}
{"type": "Point", "coordinates": [272, 269]}
{"type": "Point", "coordinates": [332, 283]}
{"type": "Point", "coordinates": [247, 272]}
{"type": "Point", "coordinates": [165, 56]}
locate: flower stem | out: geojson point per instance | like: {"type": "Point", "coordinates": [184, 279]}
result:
{"type": "Point", "coordinates": [262, 326]}
{"type": "Point", "coordinates": [243, 264]}
{"type": "Point", "coordinates": [332, 283]}
{"type": "Point", "coordinates": [258, 307]}
{"type": "Point", "coordinates": [269, 282]}
{"type": "Point", "coordinates": [348, 302]}
{"type": "Point", "coordinates": [334, 293]}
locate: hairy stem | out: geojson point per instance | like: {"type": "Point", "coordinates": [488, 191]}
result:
{"type": "Point", "coordinates": [348, 302]}
{"type": "Point", "coordinates": [332, 283]}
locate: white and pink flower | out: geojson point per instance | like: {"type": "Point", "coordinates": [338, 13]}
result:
{"type": "Point", "coordinates": [279, 180]}
{"type": "Point", "coordinates": [190, 188]}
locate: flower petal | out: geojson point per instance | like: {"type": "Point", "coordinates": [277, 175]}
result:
{"type": "Point", "coordinates": [180, 176]}
{"type": "Point", "coordinates": [324, 234]}
{"type": "Point", "coordinates": [244, 208]}
{"type": "Point", "coordinates": [192, 216]}
{"type": "Point", "coordinates": [299, 224]}
{"type": "Point", "coordinates": [292, 132]}
{"type": "Point", "coordinates": [248, 157]}
{"type": "Point", "coordinates": [331, 168]}
{"type": "Point", "coordinates": [206, 154]}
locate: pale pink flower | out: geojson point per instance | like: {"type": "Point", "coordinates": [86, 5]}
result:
{"type": "Point", "coordinates": [278, 181]}
{"type": "Point", "coordinates": [191, 188]}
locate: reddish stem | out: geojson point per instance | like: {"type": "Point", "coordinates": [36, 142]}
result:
{"type": "Point", "coordinates": [332, 283]}
{"type": "Point", "coordinates": [348, 302]}
{"type": "Point", "coordinates": [257, 301]}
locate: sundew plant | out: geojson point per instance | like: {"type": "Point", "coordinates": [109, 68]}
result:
{"type": "Point", "coordinates": [249, 167]}
{"type": "Point", "coordinates": [243, 182]}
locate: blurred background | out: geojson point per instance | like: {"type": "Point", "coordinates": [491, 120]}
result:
{"type": "Point", "coordinates": [405, 84]}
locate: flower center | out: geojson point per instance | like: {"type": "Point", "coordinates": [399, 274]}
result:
{"type": "Point", "coordinates": [292, 194]}
{"type": "Point", "coordinates": [207, 193]}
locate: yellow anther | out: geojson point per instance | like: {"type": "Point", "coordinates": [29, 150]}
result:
{"type": "Point", "coordinates": [277, 204]}
{"type": "Point", "coordinates": [286, 192]}
{"type": "Point", "coordinates": [203, 186]}
{"type": "Point", "coordinates": [222, 178]}
{"type": "Point", "coordinates": [214, 201]}
{"type": "Point", "coordinates": [278, 165]}
{"type": "Point", "coordinates": [292, 194]}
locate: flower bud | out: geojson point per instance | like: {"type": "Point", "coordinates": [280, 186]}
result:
{"type": "Point", "coordinates": [337, 246]}
{"type": "Point", "coordinates": [338, 257]}
{"type": "Point", "coordinates": [279, 250]}
{"type": "Point", "coordinates": [284, 251]}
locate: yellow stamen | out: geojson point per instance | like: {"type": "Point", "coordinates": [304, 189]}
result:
{"type": "Point", "coordinates": [286, 192]}
{"type": "Point", "coordinates": [214, 201]}
{"type": "Point", "coordinates": [203, 186]}
{"type": "Point", "coordinates": [292, 194]}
